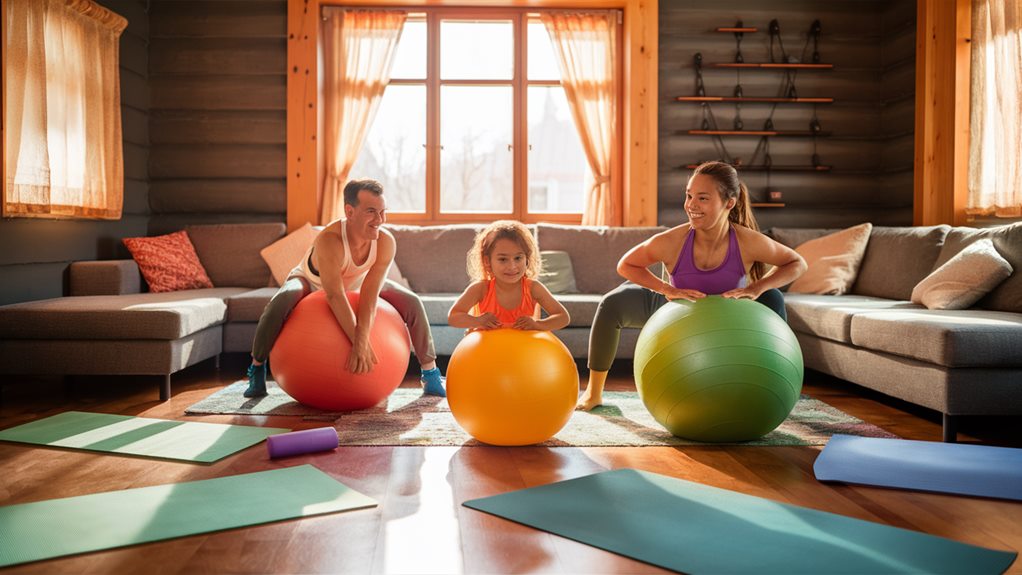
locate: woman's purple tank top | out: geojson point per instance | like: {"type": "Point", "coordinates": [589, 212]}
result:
{"type": "Point", "coordinates": [730, 274]}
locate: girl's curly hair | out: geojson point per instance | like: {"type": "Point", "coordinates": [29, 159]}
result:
{"type": "Point", "coordinates": [479, 255]}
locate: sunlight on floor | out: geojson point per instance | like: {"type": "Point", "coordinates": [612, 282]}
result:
{"type": "Point", "coordinates": [427, 540]}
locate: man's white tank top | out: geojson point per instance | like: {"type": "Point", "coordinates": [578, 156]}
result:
{"type": "Point", "coordinates": [352, 274]}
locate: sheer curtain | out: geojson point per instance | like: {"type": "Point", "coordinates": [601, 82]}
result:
{"type": "Point", "coordinates": [585, 48]}
{"type": "Point", "coordinates": [63, 149]}
{"type": "Point", "coordinates": [358, 50]}
{"type": "Point", "coordinates": [995, 145]}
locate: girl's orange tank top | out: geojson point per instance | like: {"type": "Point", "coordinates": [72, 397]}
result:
{"type": "Point", "coordinates": [505, 316]}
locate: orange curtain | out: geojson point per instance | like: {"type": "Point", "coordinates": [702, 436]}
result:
{"type": "Point", "coordinates": [63, 149]}
{"type": "Point", "coordinates": [358, 51]}
{"type": "Point", "coordinates": [585, 48]}
{"type": "Point", "coordinates": [995, 145]}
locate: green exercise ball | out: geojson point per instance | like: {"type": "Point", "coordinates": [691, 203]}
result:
{"type": "Point", "coordinates": [718, 370]}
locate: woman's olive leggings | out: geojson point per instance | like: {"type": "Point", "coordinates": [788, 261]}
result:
{"type": "Point", "coordinates": [631, 305]}
{"type": "Point", "coordinates": [407, 304]}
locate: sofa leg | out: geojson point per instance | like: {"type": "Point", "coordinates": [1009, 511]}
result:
{"type": "Point", "coordinates": [950, 428]}
{"type": "Point", "coordinates": [216, 362]}
{"type": "Point", "coordinates": [165, 388]}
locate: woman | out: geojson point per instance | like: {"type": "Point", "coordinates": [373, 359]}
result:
{"type": "Point", "coordinates": [719, 251]}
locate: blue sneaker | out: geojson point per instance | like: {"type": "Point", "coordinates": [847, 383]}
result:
{"type": "Point", "coordinates": [433, 382]}
{"type": "Point", "coordinates": [256, 381]}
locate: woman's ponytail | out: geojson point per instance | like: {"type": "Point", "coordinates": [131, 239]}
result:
{"type": "Point", "coordinates": [742, 214]}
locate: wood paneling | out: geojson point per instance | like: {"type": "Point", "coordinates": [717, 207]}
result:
{"type": "Point", "coordinates": [871, 61]}
{"type": "Point", "coordinates": [218, 112]}
{"type": "Point", "coordinates": [35, 253]}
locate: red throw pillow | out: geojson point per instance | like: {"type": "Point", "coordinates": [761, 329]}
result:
{"type": "Point", "coordinates": [168, 263]}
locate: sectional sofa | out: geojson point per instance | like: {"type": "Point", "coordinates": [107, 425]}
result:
{"type": "Point", "coordinates": [966, 362]}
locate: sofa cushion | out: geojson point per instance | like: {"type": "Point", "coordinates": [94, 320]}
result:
{"type": "Point", "coordinates": [284, 254]}
{"type": "Point", "coordinates": [833, 261]}
{"type": "Point", "coordinates": [594, 251]}
{"type": "Point", "coordinates": [830, 317]}
{"type": "Point", "coordinates": [432, 258]}
{"type": "Point", "coordinates": [794, 237]}
{"type": "Point", "coordinates": [952, 338]}
{"type": "Point", "coordinates": [168, 262]}
{"type": "Point", "coordinates": [438, 305]}
{"type": "Point", "coordinates": [557, 273]}
{"type": "Point", "coordinates": [1008, 241]}
{"type": "Point", "coordinates": [963, 279]}
{"type": "Point", "coordinates": [230, 252]}
{"type": "Point", "coordinates": [896, 259]}
{"type": "Point", "coordinates": [166, 316]}
{"type": "Point", "coordinates": [249, 305]}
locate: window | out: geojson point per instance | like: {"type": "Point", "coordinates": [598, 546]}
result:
{"type": "Point", "coordinates": [474, 123]}
{"type": "Point", "coordinates": [62, 129]}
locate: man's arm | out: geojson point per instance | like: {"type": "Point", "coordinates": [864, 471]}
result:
{"type": "Point", "coordinates": [363, 357]}
{"type": "Point", "coordinates": [329, 250]}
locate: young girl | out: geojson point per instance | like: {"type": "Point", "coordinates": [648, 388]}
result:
{"type": "Point", "coordinates": [719, 251]}
{"type": "Point", "coordinates": [503, 264]}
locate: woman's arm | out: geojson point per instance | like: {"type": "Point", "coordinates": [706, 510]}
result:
{"type": "Point", "coordinates": [756, 247]}
{"type": "Point", "coordinates": [661, 248]}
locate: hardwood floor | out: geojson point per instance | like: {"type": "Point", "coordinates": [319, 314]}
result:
{"type": "Point", "coordinates": [420, 525]}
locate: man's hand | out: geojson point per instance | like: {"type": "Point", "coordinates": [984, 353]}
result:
{"type": "Point", "coordinates": [526, 323]}
{"type": "Point", "coordinates": [362, 358]}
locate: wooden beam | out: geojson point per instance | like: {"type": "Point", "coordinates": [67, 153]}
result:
{"type": "Point", "coordinates": [640, 100]}
{"type": "Point", "coordinates": [942, 111]}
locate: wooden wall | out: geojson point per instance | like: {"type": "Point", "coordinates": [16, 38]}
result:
{"type": "Point", "coordinates": [872, 46]}
{"type": "Point", "coordinates": [35, 253]}
{"type": "Point", "coordinates": [218, 120]}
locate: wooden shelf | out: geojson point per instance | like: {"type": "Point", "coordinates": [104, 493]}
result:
{"type": "Point", "coordinates": [733, 30]}
{"type": "Point", "coordinates": [767, 205]}
{"type": "Point", "coordinates": [793, 133]}
{"type": "Point", "coordinates": [772, 65]}
{"type": "Point", "coordinates": [755, 99]}
{"type": "Point", "coordinates": [776, 168]}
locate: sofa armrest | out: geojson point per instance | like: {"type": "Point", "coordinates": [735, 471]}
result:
{"type": "Point", "coordinates": [113, 277]}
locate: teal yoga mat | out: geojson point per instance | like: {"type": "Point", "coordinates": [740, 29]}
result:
{"type": "Point", "coordinates": [127, 435]}
{"type": "Point", "coordinates": [48, 529]}
{"type": "Point", "coordinates": [695, 528]}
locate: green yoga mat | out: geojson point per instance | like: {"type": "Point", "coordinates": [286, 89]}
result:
{"type": "Point", "coordinates": [695, 528]}
{"type": "Point", "coordinates": [48, 529]}
{"type": "Point", "coordinates": [127, 435]}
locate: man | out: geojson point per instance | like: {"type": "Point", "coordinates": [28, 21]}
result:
{"type": "Point", "coordinates": [350, 254]}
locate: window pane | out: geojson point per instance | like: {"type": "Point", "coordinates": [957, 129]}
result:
{"type": "Point", "coordinates": [476, 157]}
{"type": "Point", "coordinates": [557, 162]}
{"type": "Point", "coordinates": [542, 58]}
{"type": "Point", "coordinates": [471, 50]}
{"type": "Point", "coordinates": [410, 58]}
{"type": "Point", "coordinates": [394, 152]}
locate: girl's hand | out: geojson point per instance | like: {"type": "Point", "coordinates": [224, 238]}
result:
{"type": "Point", "coordinates": [742, 293]}
{"type": "Point", "coordinates": [671, 292]}
{"type": "Point", "coordinates": [526, 323]}
{"type": "Point", "coordinates": [487, 321]}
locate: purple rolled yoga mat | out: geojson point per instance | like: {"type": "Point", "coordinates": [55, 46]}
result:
{"type": "Point", "coordinates": [305, 441]}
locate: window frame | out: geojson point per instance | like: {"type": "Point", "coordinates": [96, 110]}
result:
{"type": "Point", "coordinates": [519, 85]}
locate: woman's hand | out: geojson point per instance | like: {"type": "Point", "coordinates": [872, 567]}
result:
{"type": "Point", "coordinates": [742, 293]}
{"type": "Point", "coordinates": [671, 292]}
{"type": "Point", "coordinates": [526, 323]}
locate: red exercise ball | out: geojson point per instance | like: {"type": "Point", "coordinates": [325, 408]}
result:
{"type": "Point", "coordinates": [309, 358]}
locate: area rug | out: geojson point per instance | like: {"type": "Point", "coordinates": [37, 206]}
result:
{"type": "Point", "coordinates": [409, 418]}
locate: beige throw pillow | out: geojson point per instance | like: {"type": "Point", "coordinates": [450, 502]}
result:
{"type": "Point", "coordinates": [284, 254]}
{"type": "Point", "coordinates": [557, 274]}
{"type": "Point", "coordinates": [833, 261]}
{"type": "Point", "coordinates": [963, 279]}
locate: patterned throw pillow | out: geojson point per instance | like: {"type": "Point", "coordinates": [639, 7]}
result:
{"type": "Point", "coordinates": [168, 263]}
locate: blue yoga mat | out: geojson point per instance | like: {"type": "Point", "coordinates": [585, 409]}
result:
{"type": "Point", "coordinates": [958, 468]}
{"type": "Point", "coordinates": [696, 528]}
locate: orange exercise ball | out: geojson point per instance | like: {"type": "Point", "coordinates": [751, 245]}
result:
{"type": "Point", "coordinates": [511, 387]}
{"type": "Point", "coordinates": [309, 358]}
